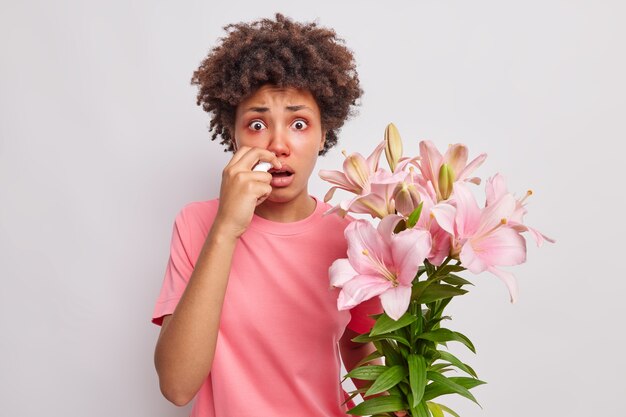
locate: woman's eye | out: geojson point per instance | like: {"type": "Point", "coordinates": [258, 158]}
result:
{"type": "Point", "coordinates": [256, 125]}
{"type": "Point", "coordinates": [299, 125]}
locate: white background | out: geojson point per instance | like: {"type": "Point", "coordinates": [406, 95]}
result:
{"type": "Point", "coordinates": [101, 143]}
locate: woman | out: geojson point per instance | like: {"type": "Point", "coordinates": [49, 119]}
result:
{"type": "Point", "coordinates": [249, 323]}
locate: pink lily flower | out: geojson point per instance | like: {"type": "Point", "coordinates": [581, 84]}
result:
{"type": "Point", "coordinates": [378, 201]}
{"type": "Point", "coordinates": [379, 263]}
{"type": "Point", "coordinates": [357, 173]}
{"type": "Point", "coordinates": [482, 238]}
{"type": "Point", "coordinates": [495, 189]}
{"type": "Point", "coordinates": [443, 171]}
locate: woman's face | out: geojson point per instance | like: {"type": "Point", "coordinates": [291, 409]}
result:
{"type": "Point", "coordinates": [285, 121]}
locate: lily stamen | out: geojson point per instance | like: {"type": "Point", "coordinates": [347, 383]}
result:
{"type": "Point", "coordinates": [502, 222]}
{"type": "Point", "coordinates": [380, 266]}
{"type": "Point", "coordinates": [528, 194]}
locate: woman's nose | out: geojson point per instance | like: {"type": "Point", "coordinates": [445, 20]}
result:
{"type": "Point", "coordinates": [279, 142]}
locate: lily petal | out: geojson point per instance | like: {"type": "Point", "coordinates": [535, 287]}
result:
{"type": "Point", "coordinates": [467, 211]}
{"type": "Point", "coordinates": [444, 214]}
{"type": "Point", "coordinates": [387, 225]}
{"type": "Point", "coordinates": [456, 157]}
{"type": "Point", "coordinates": [362, 236]}
{"type": "Point", "coordinates": [337, 209]}
{"type": "Point", "coordinates": [440, 248]}
{"type": "Point", "coordinates": [409, 248]}
{"type": "Point", "coordinates": [337, 178]}
{"type": "Point", "coordinates": [536, 234]}
{"type": "Point", "coordinates": [396, 301]}
{"type": "Point", "coordinates": [472, 166]}
{"type": "Point", "coordinates": [431, 161]}
{"type": "Point", "coordinates": [371, 204]}
{"type": "Point", "coordinates": [495, 188]}
{"type": "Point", "coordinates": [503, 247]}
{"type": "Point", "coordinates": [361, 288]}
{"type": "Point", "coordinates": [329, 194]}
{"type": "Point", "coordinates": [374, 158]}
{"type": "Point", "coordinates": [493, 214]}
{"type": "Point", "coordinates": [470, 259]}
{"type": "Point", "coordinates": [341, 272]}
{"type": "Point", "coordinates": [509, 280]}
{"type": "Point", "coordinates": [356, 170]}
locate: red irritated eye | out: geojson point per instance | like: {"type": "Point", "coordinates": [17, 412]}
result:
{"type": "Point", "coordinates": [299, 124]}
{"type": "Point", "coordinates": [257, 125]}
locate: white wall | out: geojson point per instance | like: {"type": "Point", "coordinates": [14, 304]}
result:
{"type": "Point", "coordinates": [101, 143]}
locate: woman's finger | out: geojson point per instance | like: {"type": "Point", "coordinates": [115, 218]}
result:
{"type": "Point", "coordinates": [247, 158]}
{"type": "Point", "coordinates": [254, 155]}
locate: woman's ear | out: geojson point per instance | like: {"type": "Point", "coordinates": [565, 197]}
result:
{"type": "Point", "coordinates": [233, 139]}
{"type": "Point", "coordinates": [323, 141]}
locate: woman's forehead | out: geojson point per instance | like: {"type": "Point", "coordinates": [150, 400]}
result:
{"type": "Point", "coordinates": [269, 95]}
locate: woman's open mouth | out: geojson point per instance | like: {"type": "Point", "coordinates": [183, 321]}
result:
{"type": "Point", "coordinates": [281, 177]}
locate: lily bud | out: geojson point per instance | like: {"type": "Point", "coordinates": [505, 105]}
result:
{"type": "Point", "coordinates": [446, 179]}
{"type": "Point", "coordinates": [406, 198]}
{"type": "Point", "coordinates": [393, 146]}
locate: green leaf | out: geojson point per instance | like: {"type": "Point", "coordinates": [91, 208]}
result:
{"type": "Point", "coordinates": [438, 366]}
{"type": "Point", "coordinates": [404, 387]}
{"type": "Point", "coordinates": [448, 410]}
{"type": "Point", "coordinates": [354, 394]}
{"type": "Point", "coordinates": [390, 378]}
{"type": "Point", "coordinates": [420, 410]}
{"type": "Point", "coordinates": [446, 269]}
{"type": "Point", "coordinates": [364, 338]}
{"type": "Point", "coordinates": [458, 388]}
{"type": "Point", "coordinates": [455, 280]}
{"type": "Point", "coordinates": [414, 216]}
{"type": "Point", "coordinates": [420, 270]}
{"type": "Point", "coordinates": [395, 390]}
{"type": "Point", "coordinates": [419, 287]}
{"type": "Point", "coordinates": [436, 389]}
{"type": "Point", "coordinates": [447, 335]}
{"type": "Point", "coordinates": [392, 356]}
{"type": "Point", "coordinates": [447, 356]}
{"type": "Point", "coordinates": [382, 404]}
{"type": "Point", "coordinates": [417, 377]}
{"type": "Point", "coordinates": [430, 269]}
{"type": "Point", "coordinates": [367, 372]}
{"type": "Point", "coordinates": [435, 409]}
{"type": "Point", "coordinates": [386, 324]}
{"type": "Point", "coordinates": [374, 355]}
{"type": "Point", "coordinates": [437, 291]}
{"type": "Point", "coordinates": [441, 368]}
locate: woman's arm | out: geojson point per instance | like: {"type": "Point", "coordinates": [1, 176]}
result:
{"type": "Point", "coordinates": [186, 346]}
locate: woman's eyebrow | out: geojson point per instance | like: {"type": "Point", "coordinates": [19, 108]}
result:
{"type": "Point", "coordinates": [266, 109]}
{"type": "Point", "coordinates": [258, 109]}
{"type": "Point", "coordinates": [298, 107]}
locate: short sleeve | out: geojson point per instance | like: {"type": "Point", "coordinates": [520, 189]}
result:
{"type": "Point", "coordinates": [177, 272]}
{"type": "Point", "coordinates": [360, 320]}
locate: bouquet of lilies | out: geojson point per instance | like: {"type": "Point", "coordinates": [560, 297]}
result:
{"type": "Point", "coordinates": [431, 228]}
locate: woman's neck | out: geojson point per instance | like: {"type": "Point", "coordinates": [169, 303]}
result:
{"type": "Point", "coordinates": [287, 212]}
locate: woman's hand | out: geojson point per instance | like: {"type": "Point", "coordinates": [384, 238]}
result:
{"type": "Point", "coordinates": [243, 189]}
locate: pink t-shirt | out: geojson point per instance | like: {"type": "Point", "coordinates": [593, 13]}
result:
{"type": "Point", "coordinates": [277, 352]}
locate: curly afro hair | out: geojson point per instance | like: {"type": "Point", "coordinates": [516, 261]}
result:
{"type": "Point", "coordinates": [282, 53]}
